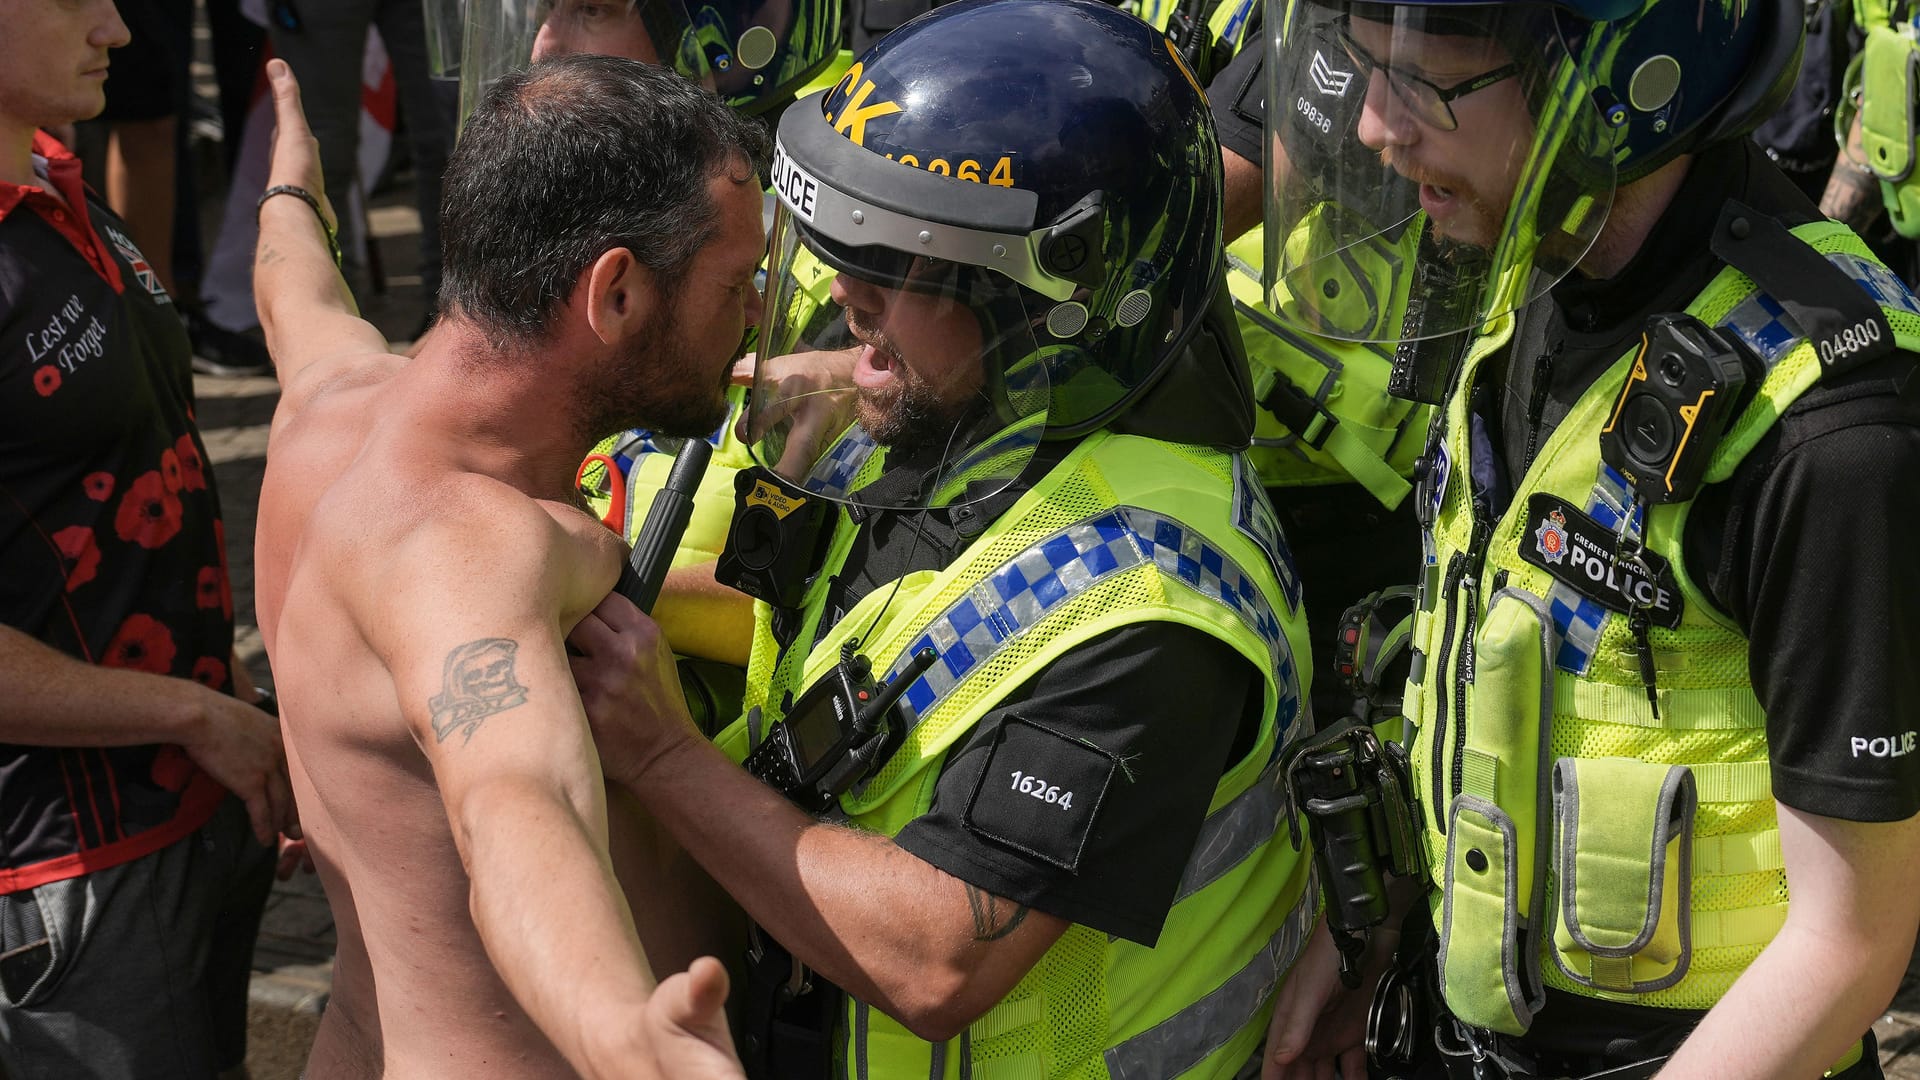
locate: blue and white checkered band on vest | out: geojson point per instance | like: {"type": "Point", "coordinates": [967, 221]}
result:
{"type": "Point", "coordinates": [834, 473]}
{"type": "Point", "coordinates": [1253, 515]}
{"type": "Point", "coordinates": [1577, 618]}
{"type": "Point", "coordinates": [1022, 592]}
{"type": "Point", "coordinates": [1769, 331]}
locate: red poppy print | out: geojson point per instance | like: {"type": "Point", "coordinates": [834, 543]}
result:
{"type": "Point", "coordinates": [142, 643]}
{"type": "Point", "coordinates": [209, 672]}
{"type": "Point", "coordinates": [98, 486]}
{"type": "Point", "coordinates": [170, 470]}
{"type": "Point", "coordinates": [46, 379]}
{"type": "Point", "coordinates": [172, 768]}
{"type": "Point", "coordinates": [149, 514]}
{"type": "Point", "coordinates": [206, 591]}
{"type": "Point", "coordinates": [193, 474]}
{"type": "Point", "coordinates": [79, 552]}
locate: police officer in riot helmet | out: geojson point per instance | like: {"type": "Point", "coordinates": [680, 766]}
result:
{"type": "Point", "coordinates": [1025, 620]}
{"type": "Point", "coordinates": [1663, 657]}
{"type": "Point", "coordinates": [754, 53]}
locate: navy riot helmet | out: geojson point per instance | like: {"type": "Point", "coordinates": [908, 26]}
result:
{"type": "Point", "coordinates": [1436, 164]}
{"type": "Point", "coordinates": [1047, 167]}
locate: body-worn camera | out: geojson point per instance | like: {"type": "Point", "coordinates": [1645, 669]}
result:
{"type": "Point", "coordinates": [1684, 389]}
{"type": "Point", "coordinates": [1355, 793]}
{"type": "Point", "coordinates": [836, 734]}
{"type": "Point", "coordinates": [773, 539]}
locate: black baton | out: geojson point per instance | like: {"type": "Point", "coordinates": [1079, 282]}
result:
{"type": "Point", "coordinates": [653, 549]}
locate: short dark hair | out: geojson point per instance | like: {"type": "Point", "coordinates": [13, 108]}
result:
{"type": "Point", "coordinates": [572, 158]}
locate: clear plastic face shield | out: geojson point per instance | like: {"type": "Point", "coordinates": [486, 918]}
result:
{"type": "Point", "coordinates": [446, 26]}
{"type": "Point", "coordinates": [502, 36]}
{"type": "Point", "coordinates": [1430, 167]}
{"type": "Point", "coordinates": [871, 353]}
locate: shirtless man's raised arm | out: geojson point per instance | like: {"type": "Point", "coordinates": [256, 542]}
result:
{"type": "Point", "coordinates": [421, 563]}
{"type": "Point", "coordinates": [306, 311]}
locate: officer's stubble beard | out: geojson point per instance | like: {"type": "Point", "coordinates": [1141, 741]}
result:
{"type": "Point", "coordinates": [656, 380]}
{"type": "Point", "coordinates": [910, 417]}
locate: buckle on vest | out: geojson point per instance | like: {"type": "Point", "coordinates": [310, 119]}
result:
{"type": "Point", "coordinates": [1310, 421]}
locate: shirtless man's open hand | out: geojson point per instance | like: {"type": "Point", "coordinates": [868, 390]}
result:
{"type": "Point", "coordinates": [688, 1024]}
{"type": "Point", "coordinates": [422, 560]}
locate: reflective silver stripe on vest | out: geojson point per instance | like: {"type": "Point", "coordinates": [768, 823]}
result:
{"type": "Point", "coordinates": [1233, 833]}
{"type": "Point", "coordinates": [1187, 1038]}
{"type": "Point", "coordinates": [1020, 593]}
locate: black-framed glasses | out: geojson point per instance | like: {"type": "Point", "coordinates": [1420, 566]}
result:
{"type": "Point", "coordinates": [1432, 103]}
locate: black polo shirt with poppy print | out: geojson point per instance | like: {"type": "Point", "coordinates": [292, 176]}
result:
{"type": "Point", "coordinates": [110, 533]}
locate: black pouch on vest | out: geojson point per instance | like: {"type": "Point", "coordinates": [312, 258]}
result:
{"type": "Point", "coordinates": [1425, 363]}
{"type": "Point", "coordinates": [787, 1017]}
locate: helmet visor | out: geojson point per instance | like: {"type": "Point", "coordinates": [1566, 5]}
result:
{"type": "Point", "coordinates": [890, 380]}
{"type": "Point", "coordinates": [501, 36]}
{"type": "Point", "coordinates": [1430, 167]}
{"type": "Point", "coordinates": [446, 24]}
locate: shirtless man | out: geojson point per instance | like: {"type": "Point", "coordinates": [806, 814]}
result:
{"type": "Point", "coordinates": [421, 563]}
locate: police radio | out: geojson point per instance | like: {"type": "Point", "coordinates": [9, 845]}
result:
{"type": "Point", "coordinates": [835, 735]}
{"type": "Point", "coordinates": [1356, 793]}
{"type": "Point", "coordinates": [1356, 789]}
{"type": "Point", "coordinates": [771, 542]}
{"type": "Point", "coordinates": [1684, 389]}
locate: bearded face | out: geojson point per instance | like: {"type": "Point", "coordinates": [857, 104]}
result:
{"type": "Point", "coordinates": [918, 372]}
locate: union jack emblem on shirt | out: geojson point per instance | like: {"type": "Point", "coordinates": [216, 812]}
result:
{"type": "Point", "coordinates": [142, 269]}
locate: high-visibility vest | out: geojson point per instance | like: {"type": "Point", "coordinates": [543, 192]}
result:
{"type": "Point", "coordinates": [1124, 530]}
{"type": "Point", "coordinates": [1573, 839]}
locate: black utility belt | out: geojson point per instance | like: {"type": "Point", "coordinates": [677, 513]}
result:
{"type": "Point", "coordinates": [1410, 1032]}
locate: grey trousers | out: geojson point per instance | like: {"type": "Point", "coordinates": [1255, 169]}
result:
{"type": "Point", "coordinates": [138, 971]}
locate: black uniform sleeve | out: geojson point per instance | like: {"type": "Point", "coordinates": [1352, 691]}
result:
{"type": "Point", "coordinates": [1083, 794]}
{"type": "Point", "coordinates": [1239, 94]}
{"type": "Point", "coordinates": [1820, 571]}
